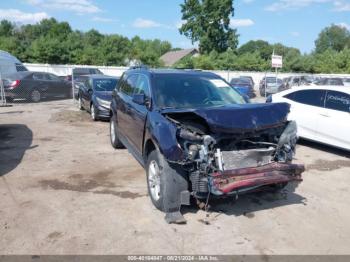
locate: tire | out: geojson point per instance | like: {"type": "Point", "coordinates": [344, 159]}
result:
{"type": "Point", "coordinates": [155, 180]}
{"type": "Point", "coordinates": [93, 112]}
{"type": "Point", "coordinates": [80, 103]}
{"type": "Point", "coordinates": [165, 183]}
{"type": "Point", "coordinates": [115, 142]}
{"type": "Point", "coordinates": [35, 96]}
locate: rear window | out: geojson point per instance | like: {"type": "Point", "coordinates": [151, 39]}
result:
{"type": "Point", "coordinates": [21, 68]}
{"type": "Point", "coordinates": [105, 84]}
{"type": "Point", "coordinates": [86, 71]}
{"type": "Point", "coordinates": [338, 101]}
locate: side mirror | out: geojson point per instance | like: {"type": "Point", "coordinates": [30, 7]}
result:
{"type": "Point", "coordinates": [90, 91]}
{"type": "Point", "coordinates": [139, 99]}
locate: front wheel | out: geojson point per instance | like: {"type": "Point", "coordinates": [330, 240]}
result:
{"type": "Point", "coordinates": [80, 103]}
{"type": "Point", "coordinates": [93, 113]}
{"type": "Point", "coordinates": [155, 180]}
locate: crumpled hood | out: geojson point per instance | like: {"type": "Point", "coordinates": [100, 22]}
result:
{"type": "Point", "coordinates": [239, 118]}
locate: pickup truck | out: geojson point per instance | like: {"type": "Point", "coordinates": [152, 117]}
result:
{"type": "Point", "coordinates": [197, 137]}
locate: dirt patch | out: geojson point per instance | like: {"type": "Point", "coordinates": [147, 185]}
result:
{"type": "Point", "coordinates": [203, 221]}
{"type": "Point", "coordinates": [121, 194]}
{"type": "Point", "coordinates": [88, 183]}
{"type": "Point", "coordinates": [12, 112]}
{"type": "Point", "coordinates": [88, 186]}
{"type": "Point", "coordinates": [54, 235]}
{"type": "Point", "coordinates": [328, 165]}
{"type": "Point", "coordinates": [70, 116]}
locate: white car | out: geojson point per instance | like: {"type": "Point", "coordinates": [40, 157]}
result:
{"type": "Point", "coordinates": [322, 113]}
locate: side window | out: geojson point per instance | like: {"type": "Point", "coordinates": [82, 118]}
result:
{"type": "Point", "coordinates": [142, 86]}
{"type": "Point", "coordinates": [338, 101]}
{"type": "Point", "coordinates": [37, 76]}
{"type": "Point", "coordinates": [129, 85]}
{"type": "Point", "coordinates": [308, 97]}
{"type": "Point", "coordinates": [53, 77]}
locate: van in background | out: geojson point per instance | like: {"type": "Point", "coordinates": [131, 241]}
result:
{"type": "Point", "coordinates": [10, 64]}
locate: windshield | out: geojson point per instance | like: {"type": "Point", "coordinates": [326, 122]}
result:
{"type": "Point", "coordinates": [183, 91]}
{"type": "Point", "coordinates": [240, 81]}
{"type": "Point", "coordinates": [105, 84]}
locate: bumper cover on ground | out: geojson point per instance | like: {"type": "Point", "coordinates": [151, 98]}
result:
{"type": "Point", "coordinates": [245, 179]}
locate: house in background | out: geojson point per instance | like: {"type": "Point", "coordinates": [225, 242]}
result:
{"type": "Point", "coordinates": [171, 57]}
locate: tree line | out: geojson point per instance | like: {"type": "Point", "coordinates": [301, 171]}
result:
{"type": "Point", "coordinates": [55, 42]}
{"type": "Point", "coordinates": [207, 22]}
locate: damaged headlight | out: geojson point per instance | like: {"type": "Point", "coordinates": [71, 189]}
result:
{"type": "Point", "coordinates": [196, 146]}
{"type": "Point", "coordinates": [286, 143]}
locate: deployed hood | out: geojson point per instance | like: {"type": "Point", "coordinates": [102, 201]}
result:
{"type": "Point", "coordinates": [237, 118]}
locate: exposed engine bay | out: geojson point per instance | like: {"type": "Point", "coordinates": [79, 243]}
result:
{"type": "Point", "coordinates": [231, 161]}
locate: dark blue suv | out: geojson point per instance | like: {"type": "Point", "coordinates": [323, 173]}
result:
{"type": "Point", "coordinates": [197, 137]}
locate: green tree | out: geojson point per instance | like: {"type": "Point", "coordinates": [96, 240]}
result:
{"type": "Point", "coordinates": [208, 22]}
{"type": "Point", "coordinates": [262, 47]}
{"type": "Point", "coordinates": [333, 37]}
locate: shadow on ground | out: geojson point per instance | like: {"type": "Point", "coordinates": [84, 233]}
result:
{"type": "Point", "coordinates": [324, 148]}
{"type": "Point", "coordinates": [248, 204]}
{"type": "Point", "coordinates": [14, 141]}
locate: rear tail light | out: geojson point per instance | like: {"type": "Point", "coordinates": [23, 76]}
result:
{"type": "Point", "coordinates": [14, 84]}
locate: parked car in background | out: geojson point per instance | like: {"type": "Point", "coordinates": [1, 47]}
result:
{"type": "Point", "coordinates": [77, 75]}
{"type": "Point", "coordinates": [321, 112]}
{"type": "Point", "coordinates": [346, 81]}
{"type": "Point", "coordinates": [330, 82]}
{"type": "Point", "coordinates": [35, 86]}
{"type": "Point", "coordinates": [244, 86]}
{"type": "Point", "coordinates": [81, 71]}
{"type": "Point", "coordinates": [95, 95]}
{"type": "Point", "coordinates": [270, 85]}
{"type": "Point", "coordinates": [196, 136]}
{"type": "Point", "coordinates": [298, 81]}
{"type": "Point", "coordinates": [250, 79]}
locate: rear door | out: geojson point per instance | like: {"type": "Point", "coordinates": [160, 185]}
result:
{"type": "Point", "coordinates": [49, 85]}
{"type": "Point", "coordinates": [86, 90]}
{"type": "Point", "coordinates": [334, 125]}
{"type": "Point", "coordinates": [306, 106]}
{"type": "Point", "coordinates": [38, 82]}
{"type": "Point", "coordinates": [124, 106]}
{"type": "Point", "coordinates": [57, 85]}
{"type": "Point", "coordinates": [139, 112]}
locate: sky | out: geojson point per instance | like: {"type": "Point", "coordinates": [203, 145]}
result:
{"type": "Point", "coordinates": [295, 23]}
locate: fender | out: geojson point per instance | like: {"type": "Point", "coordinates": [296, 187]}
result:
{"type": "Point", "coordinates": [163, 134]}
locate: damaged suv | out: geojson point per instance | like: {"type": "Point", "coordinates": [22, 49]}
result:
{"type": "Point", "coordinates": [197, 137]}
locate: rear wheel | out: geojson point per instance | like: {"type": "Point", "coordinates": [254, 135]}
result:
{"type": "Point", "coordinates": [35, 96]}
{"type": "Point", "coordinates": [116, 143]}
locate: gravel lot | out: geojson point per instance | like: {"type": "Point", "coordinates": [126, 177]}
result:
{"type": "Point", "coordinates": [65, 190]}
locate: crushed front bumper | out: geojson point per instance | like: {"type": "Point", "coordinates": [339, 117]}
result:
{"type": "Point", "coordinates": [248, 179]}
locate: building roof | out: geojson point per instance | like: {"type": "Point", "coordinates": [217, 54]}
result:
{"type": "Point", "coordinates": [172, 57]}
